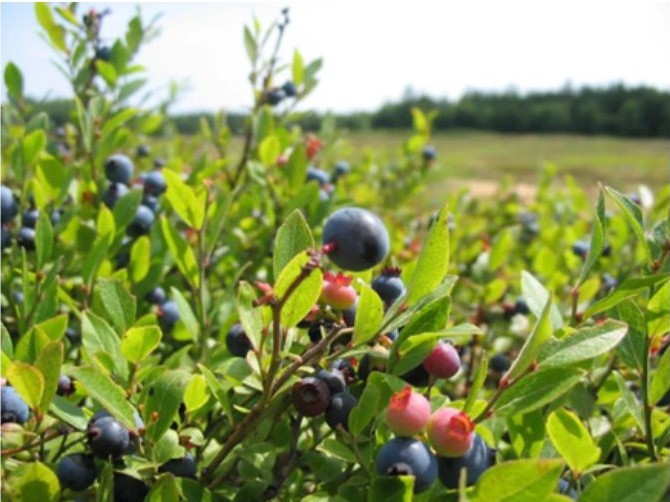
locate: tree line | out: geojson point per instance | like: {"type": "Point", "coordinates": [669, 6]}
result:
{"type": "Point", "coordinates": [616, 110]}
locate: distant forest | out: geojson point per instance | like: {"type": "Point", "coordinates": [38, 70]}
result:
{"type": "Point", "coordinates": [616, 110]}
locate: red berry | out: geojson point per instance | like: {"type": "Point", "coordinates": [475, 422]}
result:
{"type": "Point", "coordinates": [443, 361]}
{"type": "Point", "coordinates": [450, 432]}
{"type": "Point", "coordinates": [408, 412]}
{"type": "Point", "coordinates": [337, 291]}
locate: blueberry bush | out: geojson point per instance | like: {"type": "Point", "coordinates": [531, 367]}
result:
{"type": "Point", "coordinates": [185, 322]}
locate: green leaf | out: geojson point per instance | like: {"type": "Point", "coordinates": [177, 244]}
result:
{"type": "Point", "coordinates": [297, 68]}
{"type": "Point", "coordinates": [166, 489]}
{"type": "Point", "coordinates": [94, 258]}
{"type": "Point", "coordinates": [183, 255]}
{"type": "Point", "coordinates": [633, 216]}
{"type": "Point", "coordinates": [420, 122]}
{"type": "Point", "coordinates": [44, 239]}
{"type": "Point", "coordinates": [537, 389]}
{"type": "Point", "coordinates": [137, 343]}
{"type": "Point", "coordinates": [196, 393]}
{"type": "Point", "coordinates": [183, 200]}
{"type": "Point", "coordinates": [13, 81]}
{"type": "Point", "coordinates": [140, 259]}
{"type": "Point", "coordinates": [302, 298]}
{"type": "Point", "coordinates": [633, 347]}
{"type": "Point", "coordinates": [167, 447]}
{"type": "Point", "coordinates": [186, 314]}
{"type": "Point", "coordinates": [629, 400]}
{"type": "Point", "coordinates": [369, 314]}
{"type": "Point", "coordinates": [658, 320]}
{"type": "Point", "coordinates": [53, 177]}
{"type": "Point", "coordinates": [296, 168]}
{"type": "Point", "coordinates": [269, 150]}
{"type": "Point", "coordinates": [217, 387]}
{"type": "Point", "coordinates": [32, 481]}
{"type": "Point", "coordinates": [629, 484]}
{"type": "Point", "coordinates": [527, 480]}
{"type": "Point", "coordinates": [126, 208]}
{"type": "Point", "coordinates": [628, 289]}
{"type": "Point", "coordinates": [33, 144]}
{"type": "Point", "coordinates": [536, 297]}
{"type": "Point", "coordinates": [163, 398]}
{"type": "Point", "coordinates": [433, 261]}
{"type": "Point", "coordinates": [584, 344]}
{"type": "Point", "coordinates": [250, 316]}
{"type": "Point", "coordinates": [392, 489]}
{"type": "Point", "coordinates": [106, 71]}
{"type": "Point", "coordinates": [49, 363]}
{"type": "Point", "coordinates": [69, 413]}
{"type": "Point", "coordinates": [28, 382]}
{"type": "Point", "coordinates": [118, 120]}
{"type": "Point", "coordinates": [293, 236]}
{"type": "Point", "coordinates": [119, 304]}
{"type": "Point", "coordinates": [531, 348]}
{"type": "Point", "coordinates": [477, 383]}
{"type": "Point", "coordinates": [572, 440]}
{"type": "Point", "coordinates": [250, 45]}
{"type": "Point", "coordinates": [375, 397]}
{"type": "Point", "coordinates": [55, 32]}
{"type": "Point", "coordinates": [660, 382]}
{"type": "Point", "coordinates": [597, 237]}
{"type": "Point", "coordinates": [501, 249]}
{"type": "Point", "coordinates": [101, 388]}
{"type": "Point", "coordinates": [98, 337]}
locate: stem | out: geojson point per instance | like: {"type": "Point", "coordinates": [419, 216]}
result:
{"type": "Point", "coordinates": [285, 470]}
{"type": "Point", "coordinates": [354, 445]}
{"type": "Point", "coordinates": [40, 440]}
{"type": "Point", "coordinates": [496, 395]}
{"type": "Point", "coordinates": [647, 407]}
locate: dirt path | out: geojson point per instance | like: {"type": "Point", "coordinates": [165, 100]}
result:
{"type": "Point", "coordinates": [486, 188]}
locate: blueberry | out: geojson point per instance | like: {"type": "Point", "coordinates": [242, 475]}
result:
{"type": "Point", "coordinates": [635, 198]}
{"type": "Point", "coordinates": [56, 215]}
{"type": "Point", "coordinates": [444, 361]}
{"type": "Point", "coordinates": [13, 409]}
{"type": "Point", "coordinates": [29, 218]}
{"type": "Point", "coordinates": [418, 376]}
{"type": "Point", "coordinates": [376, 360]}
{"type": "Point", "coordinates": [607, 250]}
{"type": "Point", "coordinates": [143, 151]}
{"type": "Point", "coordinates": [141, 224]}
{"type": "Point", "coordinates": [310, 396]}
{"type": "Point", "coordinates": [26, 239]}
{"type": "Point", "coordinates": [184, 467]}
{"type": "Point", "coordinates": [103, 53]}
{"type": "Point", "coordinates": [609, 282]}
{"type": "Point", "coordinates": [159, 163]}
{"type": "Point", "coordinates": [113, 193]}
{"type": "Point", "coordinates": [6, 237]}
{"type": "Point", "coordinates": [290, 89]}
{"type": "Point", "coordinates": [407, 456]}
{"type": "Point", "coordinates": [129, 489]}
{"type": "Point", "coordinates": [334, 379]}
{"type": "Point", "coordinates": [65, 386]}
{"type": "Point", "coordinates": [237, 341]}
{"type": "Point", "coordinates": [168, 315]}
{"type": "Point", "coordinates": [76, 472]}
{"type": "Point", "coordinates": [564, 488]}
{"type": "Point", "coordinates": [119, 169]}
{"type": "Point", "coordinates": [340, 169]}
{"type": "Point", "coordinates": [314, 332]}
{"type": "Point", "coordinates": [580, 248]}
{"type": "Point", "coordinates": [476, 460]}
{"type": "Point", "coordinates": [345, 367]}
{"type": "Point", "coordinates": [499, 363]}
{"type": "Point", "coordinates": [318, 175]}
{"type": "Point", "coordinates": [72, 335]}
{"type": "Point", "coordinates": [9, 207]}
{"type": "Point", "coordinates": [355, 239]}
{"type": "Point", "coordinates": [520, 306]}
{"type": "Point", "coordinates": [152, 203]}
{"type": "Point", "coordinates": [349, 315]}
{"type": "Point", "coordinates": [428, 153]}
{"type": "Point", "coordinates": [107, 437]}
{"type": "Point", "coordinates": [338, 410]}
{"type": "Point", "coordinates": [154, 183]}
{"type": "Point", "coordinates": [389, 286]}
{"type": "Point", "coordinates": [274, 96]}
{"type": "Point", "coordinates": [156, 296]}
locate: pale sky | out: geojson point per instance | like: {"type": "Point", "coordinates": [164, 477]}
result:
{"type": "Point", "coordinates": [372, 51]}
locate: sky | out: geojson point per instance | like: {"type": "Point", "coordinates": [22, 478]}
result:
{"type": "Point", "coordinates": [373, 51]}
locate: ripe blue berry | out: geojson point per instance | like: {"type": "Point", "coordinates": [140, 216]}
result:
{"type": "Point", "coordinates": [318, 175]}
{"type": "Point", "coordinates": [107, 437]}
{"type": "Point", "coordinates": [476, 460]}
{"type": "Point", "coordinates": [168, 315]}
{"type": "Point", "coordinates": [156, 296]}
{"type": "Point", "coordinates": [152, 203]}
{"type": "Point", "coordinates": [65, 386]}
{"type": "Point", "coordinates": [340, 169]}
{"type": "Point", "coordinates": [113, 193]}
{"type": "Point", "coordinates": [418, 376]}
{"type": "Point", "coordinates": [389, 286]}
{"type": "Point", "coordinates": [345, 367]}
{"type": "Point", "coordinates": [310, 396]}
{"type": "Point", "coordinates": [103, 53]}
{"type": "Point", "coordinates": [119, 169]}
{"type": "Point", "coordinates": [141, 224]}
{"type": "Point", "coordinates": [428, 153]}
{"type": "Point", "coordinates": [580, 248]}
{"type": "Point", "coordinates": [154, 183]}
{"type": "Point", "coordinates": [289, 89]}
{"type": "Point", "coordinates": [274, 96]}
{"type": "Point", "coordinates": [521, 307]}
{"type": "Point", "coordinates": [26, 239]}
{"type": "Point", "coordinates": [29, 218]}
{"type": "Point", "coordinates": [237, 341]}
{"type": "Point", "coordinates": [184, 467]}
{"type": "Point", "coordinates": [499, 363]}
{"type": "Point", "coordinates": [349, 315]}
{"type": "Point", "coordinates": [338, 410]}
{"type": "Point", "coordinates": [609, 282]}
{"type": "Point", "coordinates": [6, 237]}
{"type": "Point", "coordinates": [334, 379]}
{"type": "Point", "coordinates": [129, 489]}
{"type": "Point", "coordinates": [13, 409]}
{"type": "Point", "coordinates": [143, 150]}
{"type": "Point", "coordinates": [355, 239]}
{"type": "Point", "coordinates": [8, 205]}
{"type": "Point", "coordinates": [159, 163]}
{"type": "Point", "coordinates": [564, 488]}
{"type": "Point", "coordinates": [403, 456]}
{"type": "Point", "coordinates": [76, 472]}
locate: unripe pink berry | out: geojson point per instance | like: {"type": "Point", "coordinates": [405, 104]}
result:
{"type": "Point", "coordinates": [408, 412]}
{"type": "Point", "coordinates": [443, 361]}
{"type": "Point", "coordinates": [337, 291]}
{"type": "Point", "coordinates": [450, 432]}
